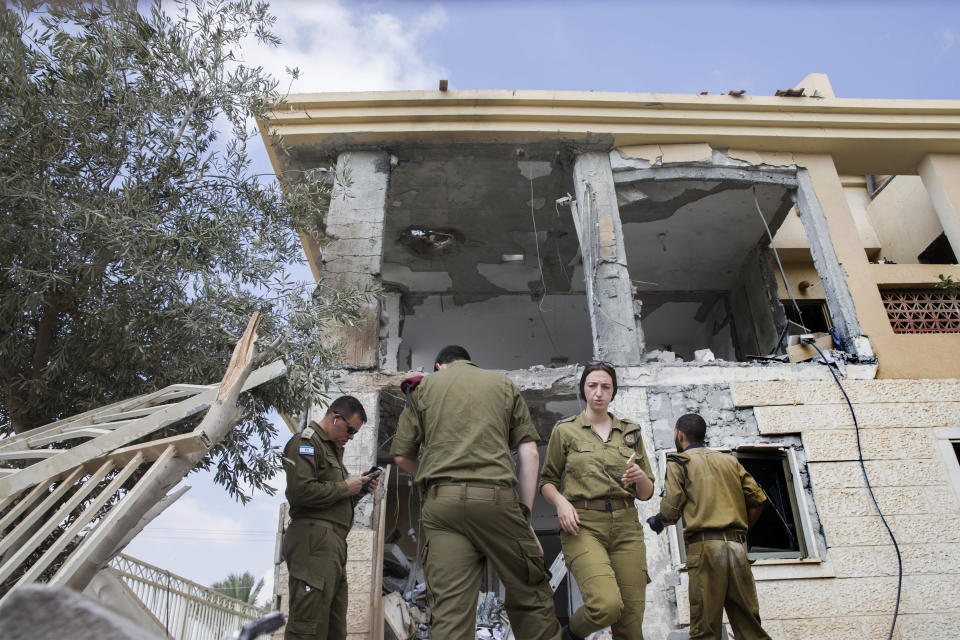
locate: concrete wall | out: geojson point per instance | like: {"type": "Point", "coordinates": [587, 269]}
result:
{"type": "Point", "coordinates": [502, 332]}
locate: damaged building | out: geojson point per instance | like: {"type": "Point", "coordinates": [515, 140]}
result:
{"type": "Point", "coordinates": [688, 239]}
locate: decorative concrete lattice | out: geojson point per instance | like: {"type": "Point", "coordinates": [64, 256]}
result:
{"type": "Point", "coordinates": [922, 310]}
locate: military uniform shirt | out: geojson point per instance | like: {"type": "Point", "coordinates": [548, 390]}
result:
{"type": "Point", "coordinates": [316, 480]}
{"type": "Point", "coordinates": [584, 467]}
{"type": "Point", "coordinates": [711, 490]}
{"type": "Point", "coordinates": [469, 420]}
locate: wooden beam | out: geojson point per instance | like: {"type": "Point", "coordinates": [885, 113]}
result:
{"type": "Point", "coordinates": [77, 432]}
{"type": "Point", "coordinates": [185, 443]}
{"type": "Point", "coordinates": [88, 514]}
{"type": "Point", "coordinates": [29, 454]}
{"type": "Point", "coordinates": [159, 507]}
{"type": "Point", "coordinates": [23, 505]}
{"type": "Point", "coordinates": [24, 551]}
{"type": "Point", "coordinates": [101, 446]}
{"type": "Point", "coordinates": [82, 554]}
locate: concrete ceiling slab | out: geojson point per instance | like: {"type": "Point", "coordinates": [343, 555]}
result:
{"type": "Point", "coordinates": [698, 239]}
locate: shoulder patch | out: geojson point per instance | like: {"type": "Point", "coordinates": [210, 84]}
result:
{"type": "Point", "coordinates": [306, 450]}
{"type": "Point", "coordinates": [631, 437]}
{"type": "Point", "coordinates": [307, 433]}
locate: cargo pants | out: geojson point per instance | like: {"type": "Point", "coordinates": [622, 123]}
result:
{"type": "Point", "coordinates": [459, 532]}
{"type": "Point", "coordinates": [316, 556]}
{"type": "Point", "coordinates": [720, 578]}
{"type": "Point", "coordinates": [608, 559]}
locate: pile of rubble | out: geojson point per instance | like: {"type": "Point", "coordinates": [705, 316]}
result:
{"type": "Point", "coordinates": [406, 612]}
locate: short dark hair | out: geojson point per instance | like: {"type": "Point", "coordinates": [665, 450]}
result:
{"type": "Point", "coordinates": [598, 366]}
{"type": "Point", "coordinates": [692, 426]}
{"type": "Point", "coordinates": [347, 406]}
{"type": "Point", "coordinates": [452, 353]}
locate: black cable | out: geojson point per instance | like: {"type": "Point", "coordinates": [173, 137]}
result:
{"type": "Point", "coordinates": [856, 425]}
{"type": "Point", "coordinates": [866, 479]}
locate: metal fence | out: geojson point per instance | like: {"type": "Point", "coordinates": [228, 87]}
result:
{"type": "Point", "coordinates": [189, 611]}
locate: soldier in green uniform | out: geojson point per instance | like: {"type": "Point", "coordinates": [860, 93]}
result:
{"type": "Point", "coordinates": [595, 468]}
{"type": "Point", "coordinates": [719, 501]}
{"type": "Point", "coordinates": [322, 498]}
{"type": "Point", "coordinates": [468, 420]}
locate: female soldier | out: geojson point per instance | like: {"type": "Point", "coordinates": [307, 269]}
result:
{"type": "Point", "coordinates": [595, 466]}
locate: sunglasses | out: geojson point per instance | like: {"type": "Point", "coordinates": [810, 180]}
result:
{"type": "Point", "coordinates": [602, 363]}
{"type": "Point", "coordinates": [351, 430]}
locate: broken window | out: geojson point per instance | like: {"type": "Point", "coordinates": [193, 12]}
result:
{"type": "Point", "coordinates": [783, 531]}
{"type": "Point", "coordinates": [477, 253]}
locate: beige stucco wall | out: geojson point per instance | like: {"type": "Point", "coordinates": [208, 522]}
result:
{"type": "Point", "coordinates": [904, 218]}
{"type": "Point", "coordinates": [905, 430]}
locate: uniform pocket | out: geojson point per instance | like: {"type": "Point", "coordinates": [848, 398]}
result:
{"type": "Point", "coordinates": [536, 570]}
{"type": "Point", "coordinates": [693, 560]}
{"type": "Point", "coordinates": [318, 537]}
{"type": "Point", "coordinates": [581, 457]}
{"type": "Point", "coordinates": [306, 600]}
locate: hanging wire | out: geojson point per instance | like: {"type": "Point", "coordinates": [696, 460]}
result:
{"type": "Point", "coordinates": [783, 275]}
{"type": "Point", "coordinates": [856, 426]}
{"type": "Point", "coordinates": [536, 242]}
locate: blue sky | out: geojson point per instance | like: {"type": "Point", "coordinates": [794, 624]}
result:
{"type": "Point", "coordinates": [868, 49]}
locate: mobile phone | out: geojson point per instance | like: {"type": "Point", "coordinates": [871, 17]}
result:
{"type": "Point", "coordinates": [371, 475]}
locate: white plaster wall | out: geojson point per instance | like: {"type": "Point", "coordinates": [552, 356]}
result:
{"type": "Point", "coordinates": [675, 324]}
{"type": "Point", "coordinates": [504, 332]}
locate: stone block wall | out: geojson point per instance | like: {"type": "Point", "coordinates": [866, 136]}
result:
{"type": "Point", "coordinates": [905, 426]}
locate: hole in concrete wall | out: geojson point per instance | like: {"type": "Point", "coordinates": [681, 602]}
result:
{"type": "Point", "coordinates": [696, 252]}
{"type": "Point", "coordinates": [465, 266]}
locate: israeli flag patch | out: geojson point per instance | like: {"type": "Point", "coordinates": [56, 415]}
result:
{"type": "Point", "coordinates": [306, 450]}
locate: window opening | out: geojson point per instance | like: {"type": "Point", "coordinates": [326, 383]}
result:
{"type": "Point", "coordinates": [776, 533]}
{"type": "Point", "coordinates": [956, 450]}
{"type": "Point", "coordinates": [816, 317]}
{"type": "Point", "coordinates": [782, 532]}
{"type": "Point", "coordinates": [938, 252]}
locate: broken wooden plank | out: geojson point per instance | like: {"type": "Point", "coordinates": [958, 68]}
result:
{"type": "Point", "coordinates": [79, 432]}
{"type": "Point", "coordinates": [88, 514]}
{"type": "Point", "coordinates": [159, 507]}
{"type": "Point", "coordinates": [101, 446]}
{"type": "Point", "coordinates": [23, 505]}
{"type": "Point", "coordinates": [29, 454]}
{"type": "Point", "coordinates": [185, 443]}
{"type": "Point", "coordinates": [24, 551]}
{"type": "Point", "coordinates": [82, 554]}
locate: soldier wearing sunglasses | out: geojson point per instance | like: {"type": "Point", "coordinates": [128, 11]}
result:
{"type": "Point", "coordinates": [322, 497]}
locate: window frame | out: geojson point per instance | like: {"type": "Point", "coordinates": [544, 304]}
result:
{"type": "Point", "coordinates": [809, 551]}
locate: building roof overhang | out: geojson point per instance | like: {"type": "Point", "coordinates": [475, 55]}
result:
{"type": "Point", "coordinates": [863, 135]}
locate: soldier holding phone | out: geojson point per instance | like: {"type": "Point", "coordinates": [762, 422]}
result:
{"type": "Point", "coordinates": [322, 498]}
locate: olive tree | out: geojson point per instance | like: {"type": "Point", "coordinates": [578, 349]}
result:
{"type": "Point", "coordinates": [136, 238]}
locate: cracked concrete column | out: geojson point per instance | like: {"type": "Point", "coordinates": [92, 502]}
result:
{"type": "Point", "coordinates": [838, 254]}
{"type": "Point", "coordinates": [352, 259]}
{"type": "Point", "coordinates": [940, 174]}
{"type": "Point", "coordinates": [617, 336]}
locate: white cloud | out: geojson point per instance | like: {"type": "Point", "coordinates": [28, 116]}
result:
{"type": "Point", "coordinates": [266, 593]}
{"type": "Point", "coordinates": [341, 48]}
{"type": "Point", "coordinates": [947, 39]}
